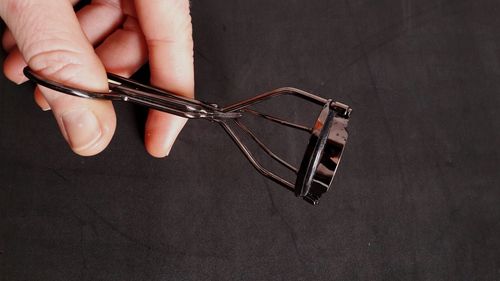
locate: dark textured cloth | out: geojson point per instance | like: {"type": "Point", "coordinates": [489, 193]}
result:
{"type": "Point", "coordinates": [417, 196]}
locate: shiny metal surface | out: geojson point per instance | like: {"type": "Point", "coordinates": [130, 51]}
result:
{"type": "Point", "coordinates": [124, 89]}
{"type": "Point", "coordinates": [322, 155]}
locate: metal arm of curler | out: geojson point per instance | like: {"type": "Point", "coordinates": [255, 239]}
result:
{"type": "Point", "coordinates": [323, 152]}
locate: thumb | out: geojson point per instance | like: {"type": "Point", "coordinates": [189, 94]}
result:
{"type": "Point", "coordinates": [53, 45]}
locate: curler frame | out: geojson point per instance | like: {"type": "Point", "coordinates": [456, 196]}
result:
{"type": "Point", "coordinates": [327, 138]}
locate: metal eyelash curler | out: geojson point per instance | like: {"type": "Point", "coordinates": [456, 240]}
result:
{"type": "Point", "coordinates": [322, 155]}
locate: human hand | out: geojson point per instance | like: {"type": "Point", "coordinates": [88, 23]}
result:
{"type": "Point", "coordinates": [59, 44]}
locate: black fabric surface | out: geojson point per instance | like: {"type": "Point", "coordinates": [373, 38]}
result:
{"type": "Point", "coordinates": [417, 196]}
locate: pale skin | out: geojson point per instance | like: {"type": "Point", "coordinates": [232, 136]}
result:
{"type": "Point", "coordinates": [117, 36]}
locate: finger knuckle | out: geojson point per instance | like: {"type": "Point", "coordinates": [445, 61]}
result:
{"type": "Point", "coordinates": [16, 7]}
{"type": "Point", "coordinates": [58, 64]}
{"type": "Point", "coordinates": [14, 12]}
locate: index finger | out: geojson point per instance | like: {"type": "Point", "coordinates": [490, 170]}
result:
{"type": "Point", "coordinates": [166, 25]}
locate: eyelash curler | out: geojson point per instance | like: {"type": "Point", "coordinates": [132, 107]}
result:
{"type": "Point", "coordinates": [327, 139]}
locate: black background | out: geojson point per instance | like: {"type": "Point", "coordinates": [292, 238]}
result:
{"type": "Point", "coordinates": [417, 196]}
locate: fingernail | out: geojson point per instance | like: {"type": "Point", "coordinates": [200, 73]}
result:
{"type": "Point", "coordinates": [45, 108]}
{"type": "Point", "coordinates": [82, 128]}
{"type": "Point", "coordinates": [20, 80]}
{"type": "Point", "coordinates": [168, 143]}
{"type": "Point", "coordinates": [168, 148]}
